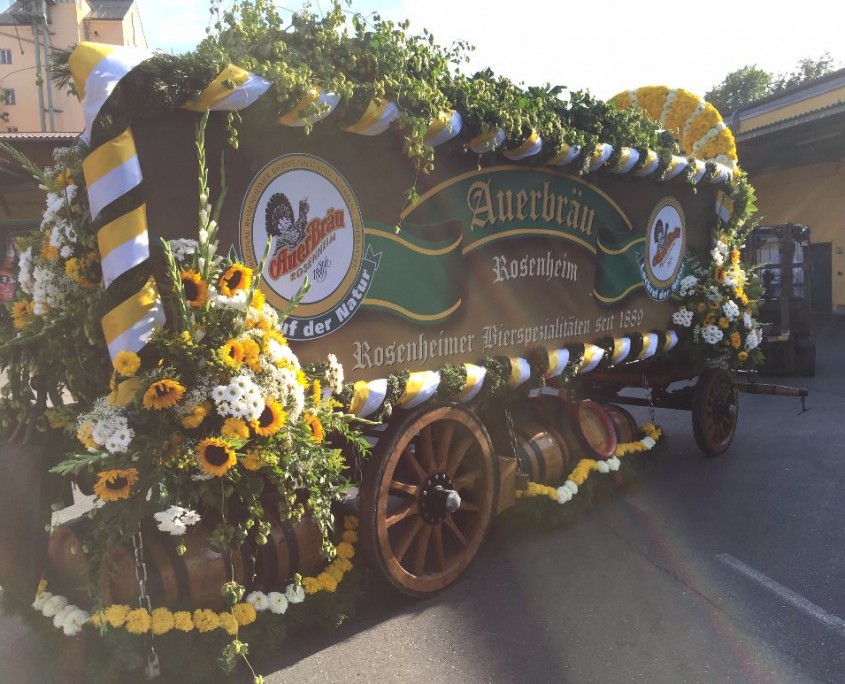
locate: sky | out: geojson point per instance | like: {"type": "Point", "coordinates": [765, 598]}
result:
{"type": "Point", "coordinates": [604, 47]}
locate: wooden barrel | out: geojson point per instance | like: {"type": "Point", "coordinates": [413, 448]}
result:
{"type": "Point", "coordinates": [192, 579]}
{"type": "Point", "coordinates": [624, 423]}
{"type": "Point", "coordinates": [289, 549]}
{"type": "Point", "coordinates": [542, 452]}
{"type": "Point", "coordinates": [592, 429]}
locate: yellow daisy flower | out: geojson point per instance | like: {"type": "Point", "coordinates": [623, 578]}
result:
{"type": "Point", "coordinates": [313, 422]}
{"type": "Point", "coordinates": [257, 300]}
{"type": "Point", "coordinates": [244, 613]}
{"type": "Point", "coordinates": [23, 313]}
{"type": "Point", "coordinates": [252, 461]}
{"type": "Point", "coordinates": [234, 428]}
{"type": "Point", "coordinates": [196, 416]}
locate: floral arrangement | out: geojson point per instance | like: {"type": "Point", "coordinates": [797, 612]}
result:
{"type": "Point", "coordinates": [719, 308]}
{"type": "Point", "coordinates": [579, 475]}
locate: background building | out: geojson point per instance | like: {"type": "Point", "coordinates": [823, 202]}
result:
{"type": "Point", "coordinates": [793, 147]}
{"type": "Point", "coordinates": [36, 117]}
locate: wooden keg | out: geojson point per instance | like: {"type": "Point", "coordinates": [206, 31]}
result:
{"type": "Point", "coordinates": [542, 452]}
{"type": "Point", "coordinates": [192, 579]}
{"type": "Point", "coordinates": [592, 429]}
{"type": "Point", "coordinates": [289, 549]}
{"type": "Point", "coordinates": [624, 423]}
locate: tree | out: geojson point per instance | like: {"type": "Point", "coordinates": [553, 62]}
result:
{"type": "Point", "coordinates": [750, 83]}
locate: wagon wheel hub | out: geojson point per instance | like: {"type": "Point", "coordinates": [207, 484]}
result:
{"type": "Point", "coordinates": [437, 499]}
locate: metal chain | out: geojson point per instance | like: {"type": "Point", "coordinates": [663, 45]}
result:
{"type": "Point", "coordinates": [153, 669]}
{"type": "Point", "coordinates": [647, 388]}
{"type": "Point", "coordinates": [512, 436]}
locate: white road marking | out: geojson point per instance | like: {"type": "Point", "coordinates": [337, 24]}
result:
{"type": "Point", "coordinates": [806, 606]}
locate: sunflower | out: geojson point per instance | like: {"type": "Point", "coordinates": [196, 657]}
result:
{"type": "Point", "coordinates": [252, 352]}
{"type": "Point", "coordinates": [271, 420]}
{"type": "Point", "coordinates": [163, 394]}
{"type": "Point", "coordinates": [196, 289]}
{"type": "Point", "coordinates": [23, 311]}
{"type": "Point", "coordinates": [114, 485]}
{"type": "Point", "coordinates": [215, 456]}
{"type": "Point", "coordinates": [236, 278]}
{"type": "Point", "coordinates": [196, 416]}
{"type": "Point", "coordinates": [127, 363]}
{"type": "Point", "coordinates": [234, 428]}
{"type": "Point", "coordinates": [316, 427]}
{"type": "Point", "coordinates": [232, 353]}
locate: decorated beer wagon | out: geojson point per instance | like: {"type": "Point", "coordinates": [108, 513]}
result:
{"type": "Point", "coordinates": [411, 300]}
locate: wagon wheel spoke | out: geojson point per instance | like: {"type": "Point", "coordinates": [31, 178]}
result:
{"type": "Point", "coordinates": [409, 490]}
{"type": "Point", "coordinates": [411, 460]}
{"type": "Point", "coordinates": [469, 507]}
{"type": "Point", "coordinates": [437, 548]}
{"type": "Point", "coordinates": [453, 528]}
{"type": "Point", "coordinates": [457, 456]}
{"type": "Point", "coordinates": [408, 509]}
{"type": "Point", "coordinates": [465, 480]}
{"type": "Point", "coordinates": [421, 550]}
{"type": "Point", "coordinates": [444, 441]}
{"type": "Point", "coordinates": [407, 538]}
{"type": "Point", "coordinates": [427, 449]}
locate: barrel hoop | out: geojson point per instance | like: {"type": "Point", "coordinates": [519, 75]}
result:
{"type": "Point", "coordinates": [539, 457]}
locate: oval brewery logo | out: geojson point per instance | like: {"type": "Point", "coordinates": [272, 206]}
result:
{"type": "Point", "coordinates": [661, 263]}
{"type": "Point", "coordinates": [304, 212]}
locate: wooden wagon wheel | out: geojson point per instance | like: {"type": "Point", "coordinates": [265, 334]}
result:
{"type": "Point", "coordinates": [428, 497]}
{"type": "Point", "coordinates": [715, 409]}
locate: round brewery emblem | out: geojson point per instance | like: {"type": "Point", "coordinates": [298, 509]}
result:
{"type": "Point", "coordinates": [665, 246]}
{"type": "Point", "coordinates": [301, 211]}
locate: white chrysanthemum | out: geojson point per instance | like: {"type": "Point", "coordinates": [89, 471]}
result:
{"type": "Point", "coordinates": [731, 310]}
{"type": "Point", "coordinates": [602, 467]}
{"type": "Point", "coordinates": [747, 320]}
{"type": "Point", "coordinates": [753, 339]}
{"type": "Point", "coordinates": [711, 334]}
{"type": "Point", "coordinates": [74, 622]}
{"type": "Point", "coordinates": [334, 374]}
{"type": "Point", "coordinates": [25, 279]}
{"type": "Point", "coordinates": [278, 602]}
{"type": "Point", "coordinates": [713, 294]}
{"type": "Point", "coordinates": [53, 605]}
{"type": "Point", "coordinates": [571, 486]}
{"type": "Point", "coordinates": [183, 248]}
{"type": "Point", "coordinates": [683, 317]}
{"type": "Point", "coordinates": [219, 393]}
{"type": "Point", "coordinates": [41, 599]}
{"type": "Point", "coordinates": [258, 600]}
{"type": "Point", "coordinates": [237, 301]}
{"type": "Point", "coordinates": [563, 495]}
{"type": "Point", "coordinates": [295, 593]}
{"type": "Point", "coordinates": [60, 617]}
{"type": "Point", "coordinates": [613, 463]}
{"type": "Point", "coordinates": [282, 355]}
{"type": "Point", "coordinates": [687, 285]}
{"type": "Point", "coordinates": [176, 520]}
{"type": "Point", "coordinates": [118, 442]}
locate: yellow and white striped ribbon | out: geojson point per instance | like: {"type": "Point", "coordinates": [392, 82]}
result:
{"type": "Point", "coordinates": [724, 206]}
{"type": "Point", "coordinates": [129, 325]}
{"type": "Point", "coordinates": [621, 349]}
{"type": "Point", "coordinates": [558, 358]}
{"type": "Point", "coordinates": [233, 88]}
{"type": "Point", "coordinates": [600, 156]}
{"type": "Point", "coordinates": [520, 372]}
{"type": "Point", "coordinates": [650, 345]}
{"type": "Point", "coordinates": [649, 166]}
{"type": "Point", "coordinates": [420, 386]}
{"type": "Point", "coordinates": [111, 171]}
{"type": "Point", "coordinates": [474, 382]}
{"type": "Point", "coordinates": [367, 397]}
{"type": "Point", "coordinates": [677, 165]}
{"type": "Point", "coordinates": [566, 155]}
{"type": "Point", "coordinates": [445, 127]}
{"type": "Point", "coordinates": [376, 119]}
{"type": "Point", "coordinates": [628, 157]}
{"type": "Point", "coordinates": [532, 145]}
{"type": "Point", "coordinates": [97, 68]}
{"type": "Point", "coordinates": [316, 96]}
{"type": "Point", "coordinates": [123, 243]}
{"type": "Point", "coordinates": [487, 141]}
{"type": "Point", "coordinates": [592, 357]}
{"type": "Point", "coordinates": [670, 340]}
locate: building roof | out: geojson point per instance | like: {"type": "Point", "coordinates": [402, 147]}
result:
{"type": "Point", "coordinates": [802, 125]}
{"type": "Point", "coordinates": [103, 10]}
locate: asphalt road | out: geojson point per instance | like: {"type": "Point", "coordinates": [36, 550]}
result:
{"type": "Point", "coordinates": [701, 570]}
